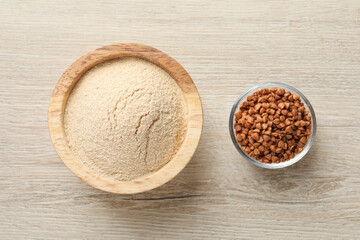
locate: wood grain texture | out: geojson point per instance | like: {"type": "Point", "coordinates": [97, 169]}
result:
{"type": "Point", "coordinates": [69, 79]}
{"type": "Point", "coordinates": [226, 47]}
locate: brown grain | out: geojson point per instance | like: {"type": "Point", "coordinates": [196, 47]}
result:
{"type": "Point", "coordinates": [272, 125]}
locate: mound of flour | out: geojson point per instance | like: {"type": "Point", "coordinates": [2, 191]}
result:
{"type": "Point", "coordinates": [125, 118]}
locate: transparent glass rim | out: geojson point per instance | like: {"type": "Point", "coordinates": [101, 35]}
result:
{"type": "Point", "coordinates": [307, 105]}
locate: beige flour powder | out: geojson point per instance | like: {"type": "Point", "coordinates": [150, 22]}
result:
{"type": "Point", "coordinates": [125, 118]}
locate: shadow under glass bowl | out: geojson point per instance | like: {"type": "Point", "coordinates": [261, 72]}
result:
{"type": "Point", "coordinates": [243, 98]}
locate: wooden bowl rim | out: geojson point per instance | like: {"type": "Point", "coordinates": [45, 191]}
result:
{"type": "Point", "coordinates": [68, 80]}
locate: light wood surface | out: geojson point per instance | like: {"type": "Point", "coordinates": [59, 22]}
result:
{"type": "Point", "coordinates": [69, 79]}
{"type": "Point", "coordinates": [226, 47]}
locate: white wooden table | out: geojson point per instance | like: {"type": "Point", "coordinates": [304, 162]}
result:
{"type": "Point", "coordinates": [227, 47]}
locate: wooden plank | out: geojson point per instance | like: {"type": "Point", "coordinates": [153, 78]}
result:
{"type": "Point", "coordinates": [226, 47]}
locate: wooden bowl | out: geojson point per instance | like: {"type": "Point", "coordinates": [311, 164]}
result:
{"type": "Point", "coordinates": [73, 74]}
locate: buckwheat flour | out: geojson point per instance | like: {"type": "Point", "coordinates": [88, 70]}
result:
{"type": "Point", "coordinates": [125, 118]}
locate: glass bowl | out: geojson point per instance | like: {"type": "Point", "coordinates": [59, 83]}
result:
{"type": "Point", "coordinates": [243, 98]}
